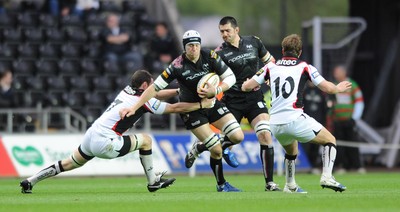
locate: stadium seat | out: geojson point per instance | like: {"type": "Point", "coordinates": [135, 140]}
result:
{"type": "Point", "coordinates": [28, 20]}
{"type": "Point", "coordinates": [93, 33]}
{"type": "Point", "coordinates": [78, 83]}
{"type": "Point", "coordinates": [127, 19]}
{"type": "Point", "coordinates": [72, 51]}
{"type": "Point", "coordinates": [122, 81]}
{"type": "Point", "coordinates": [96, 99]}
{"type": "Point", "coordinates": [75, 100]}
{"type": "Point", "coordinates": [24, 67]}
{"type": "Point", "coordinates": [49, 51]}
{"type": "Point", "coordinates": [48, 21]}
{"type": "Point", "coordinates": [8, 51]}
{"type": "Point", "coordinates": [56, 83]}
{"type": "Point", "coordinates": [103, 83]}
{"type": "Point", "coordinates": [133, 6]}
{"type": "Point", "coordinates": [55, 98]}
{"type": "Point", "coordinates": [6, 64]}
{"type": "Point", "coordinates": [93, 50]}
{"type": "Point", "coordinates": [7, 20]}
{"type": "Point", "coordinates": [109, 6]}
{"type": "Point", "coordinates": [33, 35]}
{"type": "Point", "coordinates": [12, 36]}
{"type": "Point", "coordinates": [91, 67]}
{"type": "Point", "coordinates": [71, 21]}
{"type": "Point", "coordinates": [92, 113]}
{"type": "Point", "coordinates": [54, 35]}
{"type": "Point", "coordinates": [36, 83]}
{"type": "Point", "coordinates": [27, 51]}
{"type": "Point", "coordinates": [69, 67]}
{"type": "Point", "coordinates": [47, 67]}
{"type": "Point", "coordinates": [76, 35]}
{"type": "Point", "coordinates": [95, 20]}
{"type": "Point", "coordinates": [112, 68]}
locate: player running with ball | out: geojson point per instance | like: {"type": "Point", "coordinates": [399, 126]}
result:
{"type": "Point", "coordinates": [288, 122]}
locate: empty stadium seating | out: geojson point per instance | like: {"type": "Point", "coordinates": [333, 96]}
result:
{"type": "Point", "coordinates": [57, 61]}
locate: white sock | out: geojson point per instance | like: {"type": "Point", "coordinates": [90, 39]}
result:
{"type": "Point", "coordinates": [290, 169]}
{"type": "Point", "coordinates": [147, 163]}
{"type": "Point", "coordinates": [328, 159]}
{"type": "Point", "coordinates": [50, 171]}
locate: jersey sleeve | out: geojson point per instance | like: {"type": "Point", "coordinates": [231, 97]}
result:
{"type": "Point", "coordinates": [168, 75]}
{"type": "Point", "coordinates": [262, 75]}
{"type": "Point", "coordinates": [219, 65]}
{"type": "Point", "coordinates": [315, 77]}
{"type": "Point", "coordinates": [262, 51]}
{"type": "Point", "coordinates": [155, 106]}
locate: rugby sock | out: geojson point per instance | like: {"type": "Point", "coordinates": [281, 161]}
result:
{"type": "Point", "coordinates": [290, 169]}
{"type": "Point", "coordinates": [50, 171]}
{"type": "Point", "coordinates": [267, 160]}
{"type": "Point", "coordinates": [328, 159]}
{"type": "Point", "coordinates": [225, 143]}
{"type": "Point", "coordinates": [146, 158]}
{"type": "Point", "coordinates": [216, 166]}
{"type": "Point", "coordinates": [201, 148]}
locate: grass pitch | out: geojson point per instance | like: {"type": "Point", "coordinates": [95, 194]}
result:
{"type": "Point", "coordinates": [369, 192]}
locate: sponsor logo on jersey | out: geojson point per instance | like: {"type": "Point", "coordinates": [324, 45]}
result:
{"type": "Point", "coordinates": [315, 74]}
{"type": "Point", "coordinates": [249, 46]}
{"type": "Point", "coordinates": [177, 63]}
{"type": "Point", "coordinates": [228, 54]}
{"type": "Point", "coordinates": [194, 76]}
{"type": "Point", "coordinates": [259, 72]}
{"type": "Point", "coordinates": [213, 54]}
{"type": "Point", "coordinates": [156, 105]}
{"type": "Point", "coordinates": [186, 73]}
{"type": "Point", "coordinates": [286, 62]}
{"type": "Point", "coordinates": [206, 67]}
{"type": "Point", "coordinates": [245, 55]}
{"type": "Point", "coordinates": [165, 74]}
{"type": "Point", "coordinates": [195, 123]}
{"type": "Point", "coordinates": [261, 104]}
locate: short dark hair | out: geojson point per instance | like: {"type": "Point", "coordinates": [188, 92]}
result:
{"type": "Point", "coordinates": [139, 77]}
{"type": "Point", "coordinates": [162, 23]}
{"type": "Point", "coordinates": [228, 19]}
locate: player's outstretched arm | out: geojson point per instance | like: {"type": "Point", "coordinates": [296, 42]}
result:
{"type": "Point", "coordinates": [185, 107]}
{"type": "Point", "coordinates": [330, 88]}
{"type": "Point", "coordinates": [149, 93]}
{"type": "Point", "coordinates": [166, 94]}
{"type": "Point", "coordinates": [249, 85]}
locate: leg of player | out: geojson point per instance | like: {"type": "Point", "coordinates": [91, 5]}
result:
{"type": "Point", "coordinates": [325, 138]}
{"type": "Point", "coordinates": [262, 129]}
{"type": "Point", "coordinates": [143, 143]}
{"type": "Point", "coordinates": [290, 169]}
{"type": "Point", "coordinates": [76, 160]}
{"type": "Point", "coordinates": [233, 135]}
{"type": "Point", "coordinates": [211, 141]}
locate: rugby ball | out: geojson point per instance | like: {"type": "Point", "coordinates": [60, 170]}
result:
{"type": "Point", "coordinates": [211, 78]}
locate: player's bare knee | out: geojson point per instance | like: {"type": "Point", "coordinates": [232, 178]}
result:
{"type": "Point", "coordinates": [265, 138]}
{"type": "Point", "coordinates": [216, 152]}
{"type": "Point", "coordinates": [233, 130]}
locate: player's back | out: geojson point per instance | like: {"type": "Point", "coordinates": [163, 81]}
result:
{"type": "Point", "coordinates": [288, 78]}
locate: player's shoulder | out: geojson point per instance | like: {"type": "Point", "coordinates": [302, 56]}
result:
{"type": "Point", "coordinates": [178, 62]}
{"type": "Point", "coordinates": [219, 48]}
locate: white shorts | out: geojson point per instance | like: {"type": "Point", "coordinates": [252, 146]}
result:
{"type": "Point", "coordinates": [303, 129]}
{"type": "Point", "coordinates": [97, 145]}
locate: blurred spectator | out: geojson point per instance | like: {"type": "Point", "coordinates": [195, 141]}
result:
{"type": "Point", "coordinates": [7, 97]}
{"type": "Point", "coordinates": [315, 106]}
{"type": "Point", "coordinates": [162, 48]}
{"type": "Point", "coordinates": [116, 44]}
{"type": "Point", "coordinates": [347, 108]}
{"type": "Point", "coordinates": [85, 7]}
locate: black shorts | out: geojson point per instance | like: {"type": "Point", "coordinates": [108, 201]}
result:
{"type": "Point", "coordinates": [197, 118]}
{"type": "Point", "coordinates": [249, 108]}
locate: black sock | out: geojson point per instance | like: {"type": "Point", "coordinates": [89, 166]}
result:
{"type": "Point", "coordinates": [201, 148]}
{"type": "Point", "coordinates": [226, 143]}
{"type": "Point", "coordinates": [267, 160]}
{"type": "Point", "coordinates": [216, 166]}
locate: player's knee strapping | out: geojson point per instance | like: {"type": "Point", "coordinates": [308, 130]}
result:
{"type": "Point", "coordinates": [211, 141]}
{"type": "Point", "coordinates": [75, 162]}
{"type": "Point", "coordinates": [231, 127]}
{"type": "Point", "coordinates": [262, 126]}
{"type": "Point", "coordinates": [139, 141]}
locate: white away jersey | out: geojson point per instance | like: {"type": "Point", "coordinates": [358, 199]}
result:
{"type": "Point", "coordinates": [110, 124]}
{"type": "Point", "coordinates": [288, 78]}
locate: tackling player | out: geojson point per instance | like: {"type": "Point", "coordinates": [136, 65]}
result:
{"type": "Point", "coordinates": [288, 122]}
{"type": "Point", "coordinates": [106, 138]}
{"type": "Point", "coordinates": [188, 69]}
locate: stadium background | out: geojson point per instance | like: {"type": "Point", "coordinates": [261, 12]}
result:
{"type": "Point", "coordinates": [56, 63]}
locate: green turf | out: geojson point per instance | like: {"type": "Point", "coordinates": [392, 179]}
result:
{"type": "Point", "coordinates": [370, 192]}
